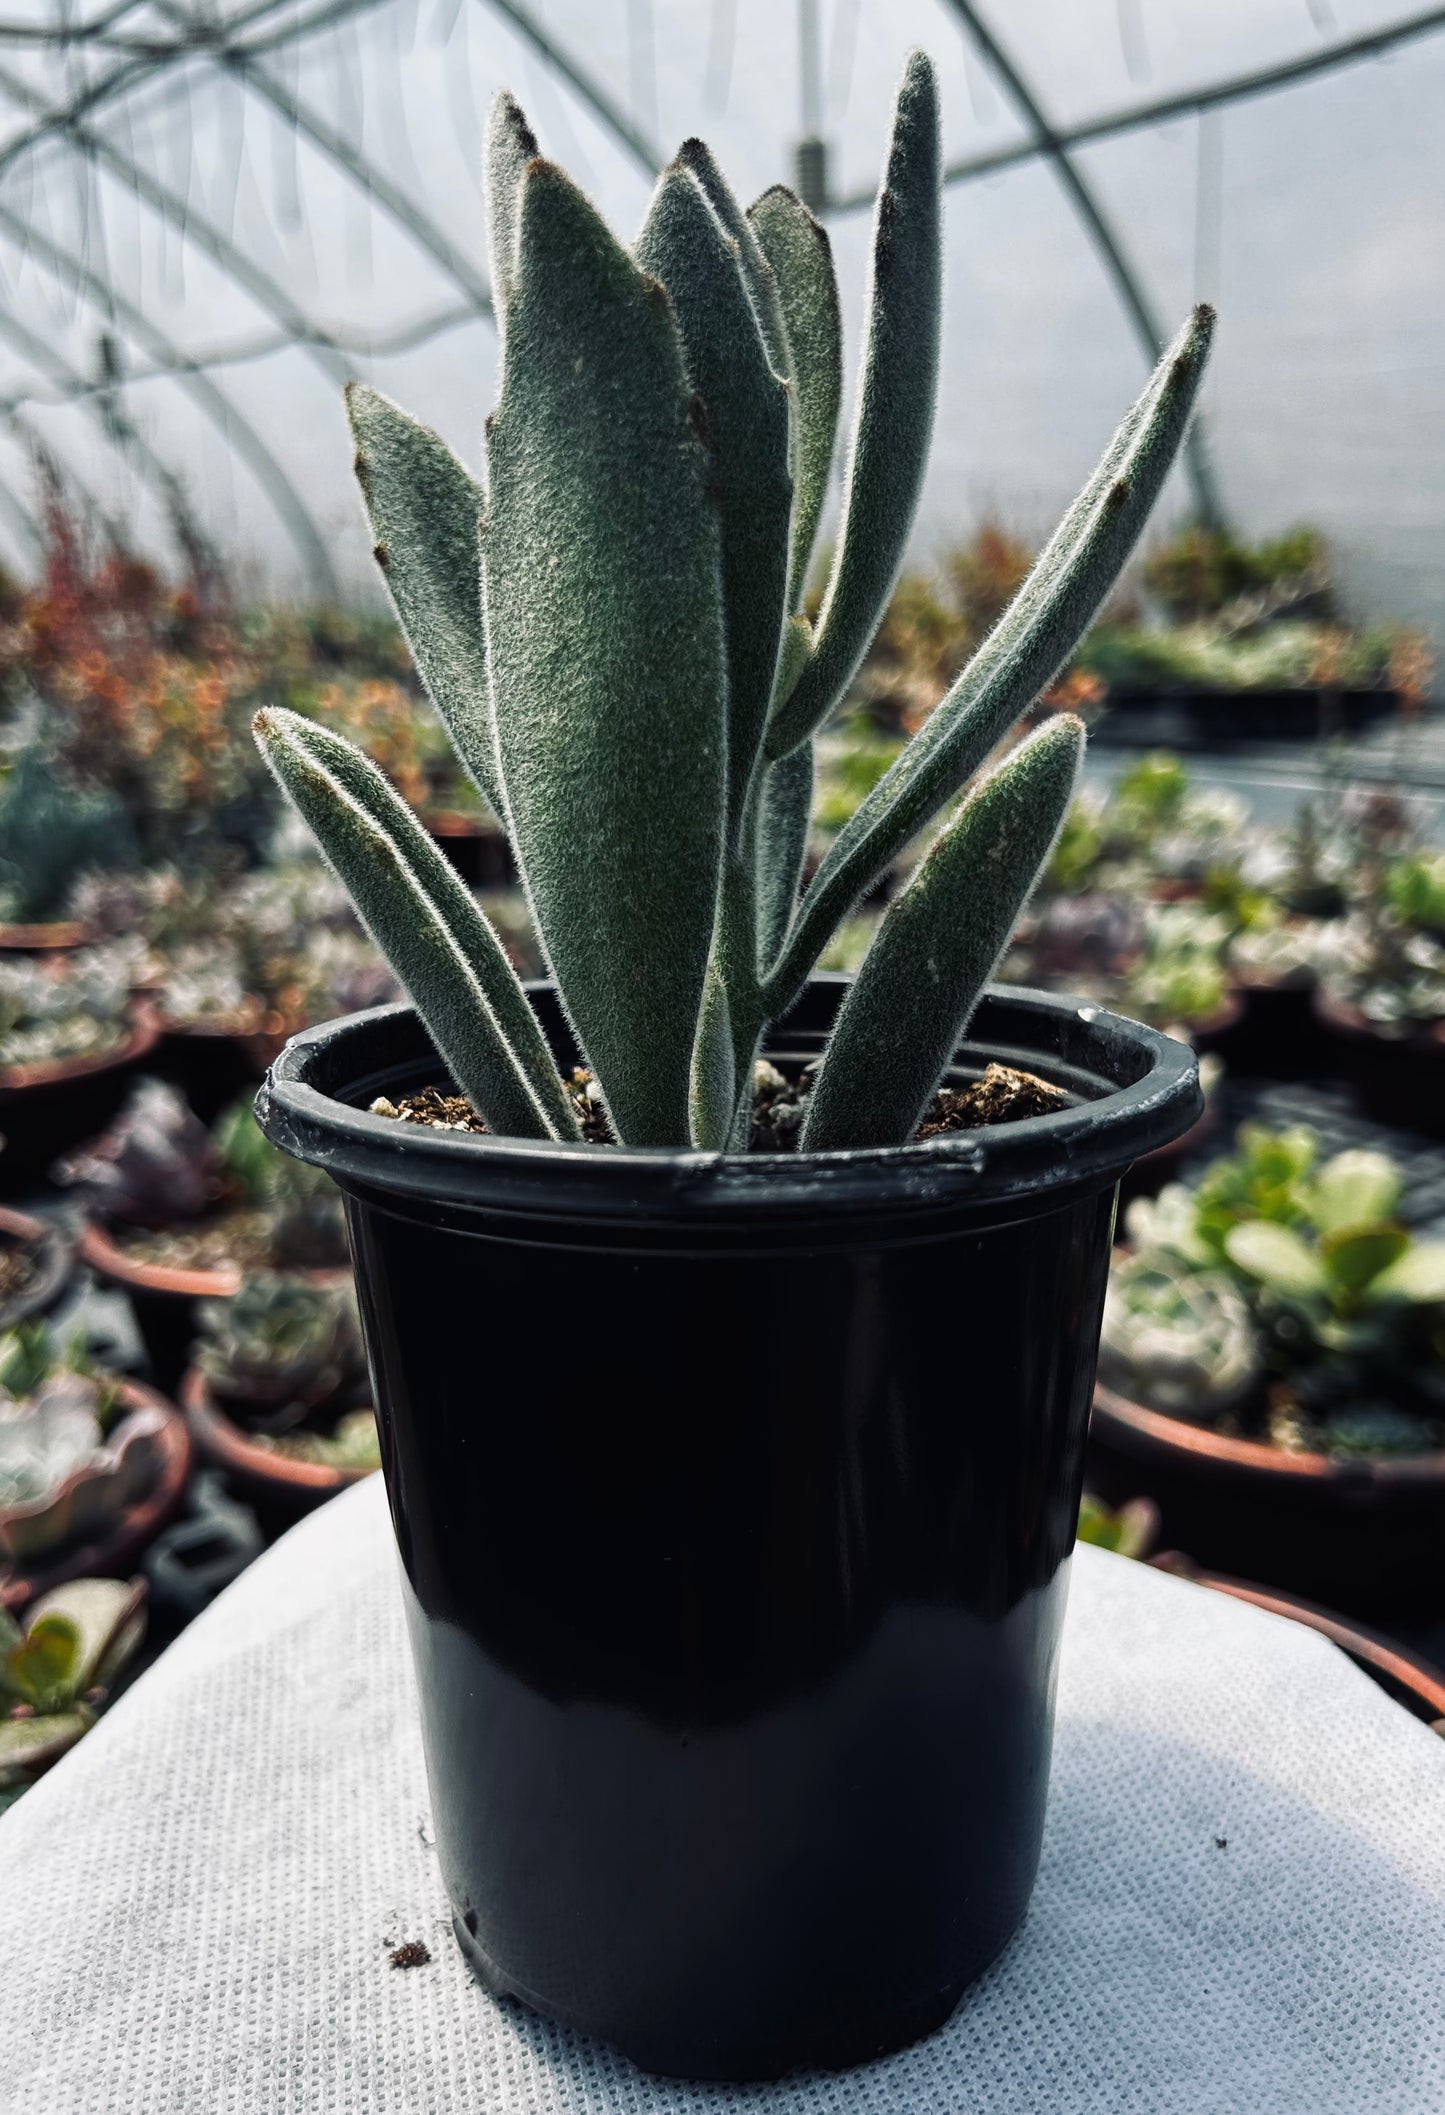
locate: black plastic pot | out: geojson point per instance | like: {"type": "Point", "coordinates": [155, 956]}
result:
{"type": "Point", "coordinates": [733, 1499]}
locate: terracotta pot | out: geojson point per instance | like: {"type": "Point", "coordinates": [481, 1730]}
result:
{"type": "Point", "coordinates": [479, 850]}
{"type": "Point", "coordinates": [1398, 1080]}
{"type": "Point", "coordinates": [46, 1109]}
{"type": "Point", "coordinates": [279, 1488]}
{"type": "Point", "coordinates": [164, 1297]}
{"type": "Point", "coordinates": [54, 1249]}
{"type": "Point", "coordinates": [54, 937]}
{"type": "Point", "coordinates": [111, 1553]}
{"type": "Point", "coordinates": [1408, 1676]}
{"type": "Point", "coordinates": [1360, 1535]}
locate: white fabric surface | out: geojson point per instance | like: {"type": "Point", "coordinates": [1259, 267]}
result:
{"type": "Point", "coordinates": [195, 1906]}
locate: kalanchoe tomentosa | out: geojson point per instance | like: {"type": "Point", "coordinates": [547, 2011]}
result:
{"type": "Point", "coordinates": [620, 659]}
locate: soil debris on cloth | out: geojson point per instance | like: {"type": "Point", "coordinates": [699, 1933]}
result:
{"type": "Point", "coordinates": [1002, 1096]}
{"type": "Point", "coordinates": [411, 1955]}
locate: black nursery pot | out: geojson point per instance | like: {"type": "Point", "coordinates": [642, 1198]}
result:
{"type": "Point", "coordinates": [733, 1499]}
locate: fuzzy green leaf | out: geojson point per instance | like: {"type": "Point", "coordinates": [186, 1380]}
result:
{"type": "Point", "coordinates": [785, 805]}
{"type": "Point", "coordinates": [745, 416]}
{"type": "Point", "coordinates": [797, 248]}
{"type": "Point", "coordinates": [714, 1069]}
{"type": "Point", "coordinates": [404, 920]}
{"type": "Point", "coordinates": [508, 147]}
{"type": "Point", "coordinates": [433, 875]}
{"type": "Point", "coordinates": [757, 273]}
{"type": "Point", "coordinates": [602, 572]}
{"type": "Point", "coordinates": [1035, 635]}
{"type": "Point", "coordinates": [893, 416]}
{"type": "Point", "coordinates": [424, 510]}
{"type": "Point", "coordinates": [1278, 1257]}
{"type": "Point", "coordinates": [908, 1007]}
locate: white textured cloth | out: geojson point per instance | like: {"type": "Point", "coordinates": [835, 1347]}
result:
{"type": "Point", "coordinates": [1241, 1906]}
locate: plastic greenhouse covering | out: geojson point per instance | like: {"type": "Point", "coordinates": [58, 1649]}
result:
{"type": "Point", "coordinates": [210, 215]}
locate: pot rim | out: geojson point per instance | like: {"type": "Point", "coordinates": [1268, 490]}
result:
{"type": "Point", "coordinates": [1136, 1088]}
{"type": "Point", "coordinates": [1157, 1433]}
{"type": "Point", "coordinates": [1371, 1649]}
{"type": "Point", "coordinates": [104, 1255]}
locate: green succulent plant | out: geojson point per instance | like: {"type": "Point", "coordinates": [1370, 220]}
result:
{"type": "Point", "coordinates": [279, 1342]}
{"type": "Point", "coordinates": [56, 1668]}
{"type": "Point", "coordinates": [609, 627]}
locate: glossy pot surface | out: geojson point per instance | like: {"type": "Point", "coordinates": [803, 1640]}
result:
{"type": "Point", "coordinates": [734, 1517]}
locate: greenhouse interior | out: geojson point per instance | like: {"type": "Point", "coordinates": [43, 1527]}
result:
{"type": "Point", "coordinates": [707, 998]}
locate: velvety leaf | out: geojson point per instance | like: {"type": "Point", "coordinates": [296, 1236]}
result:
{"type": "Point", "coordinates": [893, 414]}
{"type": "Point", "coordinates": [1417, 1275]}
{"type": "Point", "coordinates": [1355, 1189]}
{"type": "Point", "coordinates": [403, 919]}
{"type": "Point", "coordinates": [602, 582]}
{"type": "Point", "coordinates": [424, 510]}
{"type": "Point", "coordinates": [1279, 1258]}
{"type": "Point", "coordinates": [1031, 641]}
{"type": "Point", "coordinates": [785, 805]}
{"type": "Point", "coordinates": [452, 902]}
{"type": "Point", "coordinates": [762, 287]}
{"type": "Point", "coordinates": [797, 248]}
{"type": "Point", "coordinates": [744, 409]}
{"type": "Point", "coordinates": [508, 147]}
{"type": "Point", "coordinates": [938, 945]}
{"type": "Point", "coordinates": [714, 1070]}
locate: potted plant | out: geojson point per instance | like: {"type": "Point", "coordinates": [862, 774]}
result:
{"type": "Point", "coordinates": [1381, 992]}
{"type": "Point", "coordinates": [70, 1036]}
{"type": "Point", "coordinates": [273, 1398]}
{"type": "Point", "coordinates": [178, 1214]}
{"type": "Point", "coordinates": [734, 1593]}
{"type": "Point", "coordinates": [52, 834]}
{"type": "Point", "coordinates": [1273, 1373]}
{"type": "Point", "coordinates": [91, 1467]}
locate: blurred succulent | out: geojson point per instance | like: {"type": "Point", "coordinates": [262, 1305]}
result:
{"type": "Point", "coordinates": [1347, 1307]}
{"type": "Point", "coordinates": [352, 1444]}
{"type": "Point", "coordinates": [1201, 570]}
{"type": "Point", "coordinates": [156, 1164]}
{"type": "Point", "coordinates": [1179, 978]}
{"type": "Point", "coordinates": [77, 1006]}
{"type": "Point", "coordinates": [280, 1344]}
{"type": "Point", "coordinates": [1287, 953]}
{"type": "Point", "coordinates": [1394, 974]}
{"type": "Point", "coordinates": [303, 1204]}
{"type": "Point", "coordinates": [1131, 1531]}
{"type": "Point", "coordinates": [1415, 891]}
{"type": "Point", "coordinates": [56, 1670]}
{"type": "Point", "coordinates": [71, 1456]}
{"type": "Point", "coordinates": [623, 663]}
{"type": "Point", "coordinates": [51, 833]}
{"type": "Point", "coordinates": [1178, 1338]}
